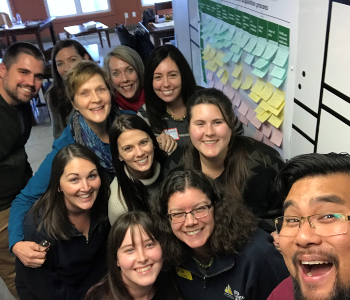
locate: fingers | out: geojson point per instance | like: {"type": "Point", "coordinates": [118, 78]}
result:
{"type": "Point", "coordinates": [166, 142]}
{"type": "Point", "coordinates": [31, 254]}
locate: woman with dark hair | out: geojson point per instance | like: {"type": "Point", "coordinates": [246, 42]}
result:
{"type": "Point", "coordinates": [243, 166]}
{"type": "Point", "coordinates": [134, 262]}
{"type": "Point", "coordinates": [69, 218]}
{"type": "Point", "coordinates": [88, 89]}
{"type": "Point", "coordinates": [137, 162]}
{"type": "Point", "coordinates": [214, 242]}
{"type": "Point", "coordinates": [126, 72]}
{"type": "Point", "coordinates": [65, 55]}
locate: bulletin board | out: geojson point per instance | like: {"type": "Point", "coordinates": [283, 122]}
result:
{"type": "Point", "coordinates": [245, 47]}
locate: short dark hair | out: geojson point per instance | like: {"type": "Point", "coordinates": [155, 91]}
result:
{"type": "Point", "coordinates": [15, 50]}
{"type": "Point", "coordinates": [133, 190]}
{"type": "Point", "coordinates": [113, 285]}
{"type": "Point", "coordinates": [234, 223]}
{"type": "Point", "coordinates": [51, 207]}
{"type": "Point", "coordinates": [310, 165]}
{"type": "Point", "coordinates": [156, 107]}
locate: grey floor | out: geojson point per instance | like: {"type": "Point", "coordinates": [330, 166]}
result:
{"type": "Point", "coordinates": [40, 141]}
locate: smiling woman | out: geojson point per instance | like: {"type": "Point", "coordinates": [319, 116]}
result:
{"type": "Point", "coordinates": [70, 214]}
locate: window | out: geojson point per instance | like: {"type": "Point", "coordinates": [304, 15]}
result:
{"type": "Point", "coordinates": [151, 2]}
{"type": "Point", "coordinates": [5, 7]}
{"type": "Point", "coordinates": [64, 8]}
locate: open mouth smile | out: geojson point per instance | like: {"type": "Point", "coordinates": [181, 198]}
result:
{"type": "Point", "coordinates": [97, 109]}
{"type": "Point", "coordinates": [167, 93]}
{"type": "Point", "coordinates": [192, 233]}
{"type": "Point", "coordinates": [210, 142]}
{"type": "Point", "coordinates": [143, 269]}
{"type": "Point", "coordinates": [142, 161]}
{"type": "Point", "coordinates": [315, 268]}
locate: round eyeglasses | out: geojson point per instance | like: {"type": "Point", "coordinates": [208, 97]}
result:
{"type": "Point", "coordinates": [327, 224]}
{"type": "Point", "coordinates": [199, 212]}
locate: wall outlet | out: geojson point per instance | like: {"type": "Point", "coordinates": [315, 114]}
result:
{"type": "Point", "coordinates": [126, 15]}
{"type": "Point", "coordinates": [134, 14]}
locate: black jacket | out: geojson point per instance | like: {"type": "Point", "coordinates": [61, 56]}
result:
{"type": "Point", "coordinates": [71, 267]}
{"type": "Point", "coordinates": [252, 274]}
{"type": "Point", "coordinates": [15, 170]}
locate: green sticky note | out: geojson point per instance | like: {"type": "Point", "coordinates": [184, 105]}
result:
{"type": "Point", "coordinates": [204, 36]}
{"type": "Point", "coordinates": [227, 57]}
{"type": "Point", "coordinates": [237, 37]}
{"type": "Point", "coordinates": [223, 28]}
{"type": "Point", "coordinates": [251, 45]}
{"type": "Point", "coordinates": [244, 40]}
{"type": "Point", "coordinates": [237, 57]}
{"type": "Point", "coordinates": [227, 43]}
{"type": "Point", "coordinates": [261, 72]}
{"type": "Point", "coordinates": [260, 47]}
{"type": "Point", "coordinates": [249, 58]}
{"type": "Point", "coordinates": [278, 72]}
{"type": "Point", "coordinates": [217, 27]}
{"type": "Point", "coordinates": [229, 34]}
{"type": "Point", "coordinates": [277, 82]}
{"type": "Point", "coordinates": [270, 50]}
{"type": "Point", "coordinates": [260, 63]}
{"type": "Point", "coordinates": [235, 49]}
{"type": "Point", "coordinates": [281, 57]}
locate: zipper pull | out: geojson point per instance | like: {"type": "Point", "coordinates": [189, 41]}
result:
{"type": "Point", "coordinates": [205, 281]}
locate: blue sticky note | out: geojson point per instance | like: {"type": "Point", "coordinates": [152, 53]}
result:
{"type": "Point", "coordinates": [223, 28]}
{"type": "Point", "coordinates": [278, 72]}
{"type": "Point", "coordinates": [237, 56]}
{"type": "Point", "coordinates": [260, 47]}
{"type": "Point", "coordinates": [237, 37]}
{"type": "Point", "coordinates": [229, 34]}
{"type": "Point", "coordinates": [217, 28]}
{"type": "Point", "coordinates": [251, 45]}
{"type": "Point", "coordinates": [235, 49]}
{"type": "Point", "coordinates": [270, 50]}
{"type": "Point", "coordinates": [249, 58]}
{"type": "Point", "coordinates": [227, 43]}
{"type": "Point", "coordinates": [281, 57]}
{"type": "Point", "coordinates": [227, 57]}
{"type": "Point", "coordinates": [261, 72]}
{"type": "Point", "coordinates": [277, 82]}
{"type": "Point", "coordinates": [244, 40]}
{"type": "Point", "coordinates": [260, 63]}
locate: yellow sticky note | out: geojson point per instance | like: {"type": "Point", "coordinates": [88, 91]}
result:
{"type": "Point", "coordinates": [259, 110]}
{"type": "Point", "coordinates": [237, 83]}
{"type": "Point", "coordinates": [206, 49]}
{"type": "Point", "coordinates": [267, 91]}
{"type": "Point", "coordinates": [254, 96]}
{"type": "Point", "coordinates": [277, 98]}
{"type": "Point", "coordinates": [258, 86]}
{"type": "Point", "coordinates": [209, 65]}
{"type": "Point", "coordinates": [218, 57]}
{"type": "Point", "coordinates": [247, 83]}
{"type": "Point", "coordinates": [276, 111]}
{"type": "Point", "coordinates": [210, 54]}
{"type": "Point", "coordinates": [277, 120]}
{"type": "Point", "coordinates": [184, 273]}
{"type": "Point", "coordinates": [237, 71]}
{"type": "Point", "coordinates": [263, 117]}
{"type": "Point", "coordinates": [224, 78]}
{"type": "Point", "coordinates": [220, 72]}
{"type": "Point", "coordinates": [265, 106]}
{"type": "Point", "coordinates": [214, 67]}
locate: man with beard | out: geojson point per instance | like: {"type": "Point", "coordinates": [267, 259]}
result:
{"type": "Point", "coordinates": [21, 75]}
{"type": "Point", "coordinates": [314, 233]}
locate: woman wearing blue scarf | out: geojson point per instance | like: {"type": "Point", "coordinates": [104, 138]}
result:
{"type": "Point", "coordinates": [88, 89]}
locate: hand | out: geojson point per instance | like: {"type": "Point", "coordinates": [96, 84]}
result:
{"type": "Point", "coordinates": [31, 254]}
{"type": "Point", "coordinates": [276, 241]}
{"type": "Point", "coordinates": [166, 142]}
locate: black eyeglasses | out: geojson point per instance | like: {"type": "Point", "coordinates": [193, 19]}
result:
{"type": "Point", "coordinates": [199, 212]}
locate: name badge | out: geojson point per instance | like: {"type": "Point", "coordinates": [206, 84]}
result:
{"type": "Point", "coordinates": [184, 273]}
{"type": "Point", "coordinates": [173, 133]}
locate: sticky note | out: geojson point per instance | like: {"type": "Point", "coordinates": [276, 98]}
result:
{"type": "Point", "coordinates": [243, 109]}
{"type": "Point", "coordinates": [243, 119]}
{"type": "Point", "coordinates": [276, 137]}
{"type": "Point", "coordinates": [256, 123]}
{"type": "Point", "coordinates": [259, 48]}
{"type": "Point", "coordinates": [270, 50]}
{"type": "Point", "coordinates": [223, 28]}
{"type": "Point", "coordinates": [258, 86]}
{"type": "Point", "coordinates": [235, 49]}
{"type": "Point", "coordinates": [229, 34]}
{"type": "Point", "coordinates": [250, 114]}
{"type": "Point", "coordinates": [276, 99]}
{"type": "Point", "coordinates": [249, 58]}
{"type": "Point", "coordinates": [206, 49]}
{"type": "Point", "coordinates": [267, 142]}
{"type": "Point", "coordinates": [237, 83]}
{"type": "Point", "coordinates": [227, 43]}
{"type": "Point", "coordinates": [237, 37]}
{"type": "Point", "coordinates": [214, 67]}
{"type": "Point", "coordinates": [219, 45]}
{"type": "Point", "coordinates": [209, 65]}
{"type": "Point", "coordinates": [224, 90]}
{"type": "Point", "coordinates": [204, 36]}
{"type": "Point", "coordinates": [220, 72]}
{"type": "Point", "coordinates": [277, 82]}
{"type": "Point", "coordinates": [237, 100]}
{"type": "Point", "coordinates": [217, 27]}
{"type": "Point", "coordinates": [251, 45]}
{"type": "Point", "coordinates": [227, 57]}
{"type": "Point", "coordinates": [281, 57]}
{"type": "Point", "coordinates": [225, 77]}
{"type": "Point", "coordinates": [237, 57]}
{"type": "Point", "coordinates": [259, 110]}
{"type": "Point", "coordinates": [244, 40]}
{"type": "Point", "coordinates": [277, 120]}
{"type": "Point", "coordinates": [260, 63]}
{"type": "Point", "coordinates": [210, 75]}
{"type": "Point", "coordinates": [254, 97]}
{"type": "Point", "coordinates": [261, 72]}
{"type": "Point", "coordinates": [219, 85]}
{"type": "Point", "coordinates": [258, 135]}
{"type": "Point", "coordinates": [237, 71]}
{"type": "Point", "coordinates": [218, 57]}
{"type": "Point", "coordinates": [210, 54]}
{"type": "Point", "coordinates": [247, 83]}
{"type": "Point", "coordinates": [266, 129]}
{"type": "Point", "coordinates": [264, 116]}
{"type": "Point", "coordinates": [278, 72]}
{"type": "Point", "coordinates": [267, 91]}
{"type": "Point", "coordinates": [211, 83]}
{"type": "Point", "coordinates": [230, 93]}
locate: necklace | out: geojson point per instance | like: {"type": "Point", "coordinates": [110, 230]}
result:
{"type": "Point", "coordinates": [176, 119]}
{"type": "Point", "coordinates": [203, 265]}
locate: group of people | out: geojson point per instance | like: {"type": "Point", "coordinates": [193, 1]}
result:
{"type": "Point", "coordinates": [150, 190]}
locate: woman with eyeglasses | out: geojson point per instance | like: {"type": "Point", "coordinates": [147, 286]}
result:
{"type": "Point", "coordinates": [213, 242]}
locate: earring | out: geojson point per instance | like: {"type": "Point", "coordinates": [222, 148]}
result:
{"type": "Point", "coordinates": [120, 158]}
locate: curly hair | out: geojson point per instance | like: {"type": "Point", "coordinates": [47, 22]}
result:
{"type": "Point", "coordinates": [234, 223]}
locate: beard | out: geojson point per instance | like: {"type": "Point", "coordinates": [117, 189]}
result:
{"type": "Point", "coordinates": [339, 291]}
{"type": "Point", "coordinates": [13, 93]}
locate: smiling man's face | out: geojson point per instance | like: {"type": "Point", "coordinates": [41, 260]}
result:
{"type": "Point", "coordinates": [319, 265]}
